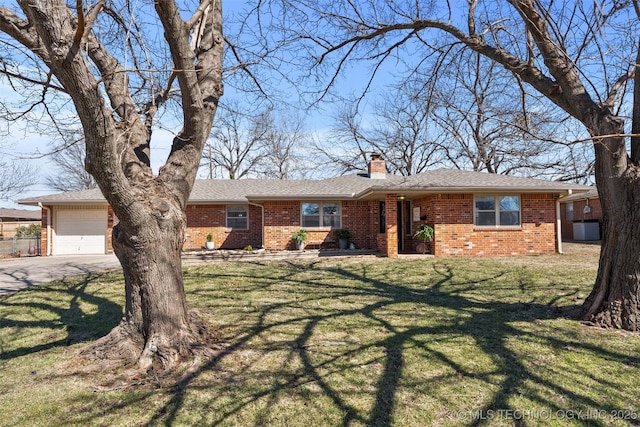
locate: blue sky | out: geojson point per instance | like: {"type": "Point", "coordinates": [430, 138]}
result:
{"type": "Point", "coordinates": [23, 144]}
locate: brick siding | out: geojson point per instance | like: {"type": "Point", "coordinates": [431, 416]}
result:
{"type": "Point", "coordinates": [111, 221]}
{"type": "Point", "coordinates": [44, 236]}
{"type": "Point", "coordinates": [362, 219]}
{"type": "Point", "coordinates": [455, 232]}
{"type": "Point", "coordinates": [391, 208]}
{"type": "Point", "coordinates": [205, 219]}
{"type": "Point", "coordinates": [282, 219]}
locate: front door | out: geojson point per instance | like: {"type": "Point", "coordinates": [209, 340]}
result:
{"type": "Point", "coordinates": [403, 212]}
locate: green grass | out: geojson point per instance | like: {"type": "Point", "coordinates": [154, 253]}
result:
{"type": "Point", "coordinates": [331, 342]}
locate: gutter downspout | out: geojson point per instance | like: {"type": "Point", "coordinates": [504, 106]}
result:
{"type": "Point", "coordinates": [48, 253]}
{"type": "Point", "coordinates": [559, 225]}
{"type": "Point", "coordinates": [262, 215]}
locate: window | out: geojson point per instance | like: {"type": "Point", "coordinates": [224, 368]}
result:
{"type": "Point", "coordinates": [321, 214]}
{"type": "Point", "coordinates": [569, 211]}
{"type": "Point", "coordinates": [383, 217]}
{"type": "Point", "coordinates": [237, 217]}
{"type": "Point", "coordinates": [497, 211]}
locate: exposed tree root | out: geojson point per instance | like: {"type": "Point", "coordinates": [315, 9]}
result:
{"type": "Point", "coordinates": [610, 316]}
{"type": "Point", "coordinates": [126, 360]}
{"type": "Point", "coordinates": [614, 315]}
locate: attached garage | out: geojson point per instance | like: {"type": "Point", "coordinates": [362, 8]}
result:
{"type": "Point", "coordinates": [80, 231]}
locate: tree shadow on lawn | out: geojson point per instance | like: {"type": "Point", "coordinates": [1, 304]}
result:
{"type": "Point", "coordinates": [57, 307]}
{"type": "Point", "coordinates": [307, 370]}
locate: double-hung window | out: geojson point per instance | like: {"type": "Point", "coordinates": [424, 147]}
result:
{"type": "Point", "coordinates": [497, 211]}
{"type": "Point", "coordinates": [321, 215]}
{"type": "Point", "coordinates": [237, 217]}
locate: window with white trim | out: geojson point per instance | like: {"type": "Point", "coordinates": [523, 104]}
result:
{"type": "Point", "coordinates": [238, 217]}
{"type": "Point", "coordinates": [497, 211]}
{"type": "Point", "coordinates": [321, 215]}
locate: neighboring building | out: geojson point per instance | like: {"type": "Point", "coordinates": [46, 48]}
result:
{"type": "Point", "coordinates": [472, 213]}
{"type": "Point", "coordinates": [581, 216]}
{"type": "Point", "coordinates": [11, 219]}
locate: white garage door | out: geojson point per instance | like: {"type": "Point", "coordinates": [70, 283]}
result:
{"type": "Point", "coordinates": [81, 231]}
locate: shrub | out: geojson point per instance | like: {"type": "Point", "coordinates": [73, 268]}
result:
{"type": "Point", "coordinates": [343, 233]}
{"type": "Point", "coordinates": [32, 230]}
{"type": "Point", "coordinates": [424, 233]}
{"type": "Point", "coordinates": [300, 235]}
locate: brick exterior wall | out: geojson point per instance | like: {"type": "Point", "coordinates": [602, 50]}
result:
{"type": "Point", "coordinates": [201, 220]}
{"type": "Point", "coordinates": [392, 225]}
{"type": "Point", "coordinates": [44, 236]}
{"type": "Point", "coordinates": [111, 221]}
{"type": "Point", "coordinates": [362, 219]}
{"type": "Point", "coordinates": [283, 218]}
{"type": "Point", "coordinates": [456, 234]}
{"type": "Point", "coordinates": [205, 219]}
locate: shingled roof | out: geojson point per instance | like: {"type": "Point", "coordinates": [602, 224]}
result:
{"type": "Point", "coordinates": [354, 186]}
{"type": "Point", "coordinates": [459, 181]}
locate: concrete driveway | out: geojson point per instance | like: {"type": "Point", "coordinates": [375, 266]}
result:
{"type": "Point", "coordinates": [21, 273]}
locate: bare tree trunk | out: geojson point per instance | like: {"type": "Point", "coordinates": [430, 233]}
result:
{"type": "Point", "coordinates": [155, 311]}
{"type": "Point", "coordinates": [157, 331]}
{"type": "Point", "coordinates": [614, 301]}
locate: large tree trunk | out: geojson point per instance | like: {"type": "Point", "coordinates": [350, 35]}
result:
{"type": "Point", "coordinates": [614, 300]}
{"type": "Point", "coordinates": [156, 331]}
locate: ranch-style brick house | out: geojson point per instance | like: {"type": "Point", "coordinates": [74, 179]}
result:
{"type": "Point", "coordinates": [472, 213]}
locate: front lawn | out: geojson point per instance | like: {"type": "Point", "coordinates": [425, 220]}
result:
{"type": "Point", "coordinates": [339, 341]}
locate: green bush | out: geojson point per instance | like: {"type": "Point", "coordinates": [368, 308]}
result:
{"type": "Point", "coordinates": [343, 233]}
{"type": "Point", "coordinates": [32, 230]}
{"type": "Point", "coordinates": [424, 233]}
{"type": "Point", "coordinates": [300, 235]}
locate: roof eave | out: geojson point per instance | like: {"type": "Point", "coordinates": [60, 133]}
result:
{"type": "Point", "coordinates": [243, 201]}
{"type": "Point", "coordinates": [35, 202]}
{"type": "Point", "coordinates": [266, 198]}
{"type": "Point", "coordinates": [407, 191]}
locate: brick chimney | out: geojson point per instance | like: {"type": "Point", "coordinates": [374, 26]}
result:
{"type": "Point", "coordinates": [377, 167]}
